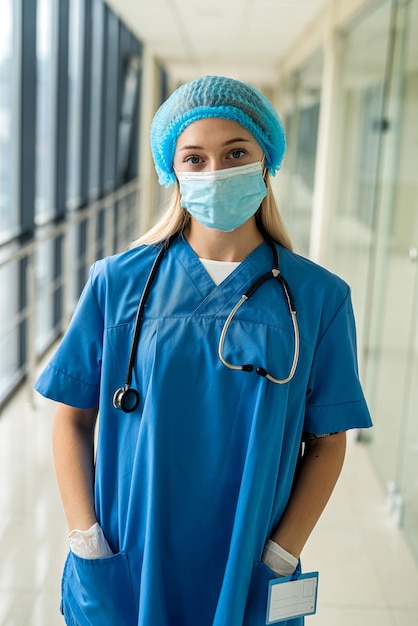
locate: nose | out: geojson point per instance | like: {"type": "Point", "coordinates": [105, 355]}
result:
{"type": "Point", "coordinates": [215, 163]}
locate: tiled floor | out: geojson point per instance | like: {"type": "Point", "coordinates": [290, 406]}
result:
{"type": "Point", "coordinates": [367, 575]}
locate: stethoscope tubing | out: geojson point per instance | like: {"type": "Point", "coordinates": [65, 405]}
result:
{"type": "Point", "coordinates": [127, 399]}
{"type": "Point", "coordinates": [248, 367]}
{"type": "Point", "coordinates": [140, 312]}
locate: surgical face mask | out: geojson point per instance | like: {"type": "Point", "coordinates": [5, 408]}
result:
{"type": "Point", "coordinates": [223, 199]}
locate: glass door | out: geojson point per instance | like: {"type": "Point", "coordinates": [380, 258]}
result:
{"type": "Point", "coordinates": [407, 466]}
{"type": "Point", "coordinates": [392, 365]}
{"type": "Point", "coordinates": [360, 128]}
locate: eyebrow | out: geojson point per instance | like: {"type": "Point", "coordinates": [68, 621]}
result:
{"type": "Point", "coordinates": [226, 143]}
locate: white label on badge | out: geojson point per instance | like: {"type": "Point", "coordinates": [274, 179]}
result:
{"type": "Point", "coordinates": [292, 598]}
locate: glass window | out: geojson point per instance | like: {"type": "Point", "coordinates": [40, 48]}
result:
{"type": "Point", "coordinates": [96, 99]}
{"type": "Point", "coordinates": [301, 115]}
{"type": "Point", "coordinates": [45, 284]}
{"type": "Point", "coordinates": [9, 72]}
{"type": "Point", "coordinates": [112, 101]}
{"type": "Point", "coordinates": [392, 349]}
{"type": "Point", "coordinates": [9, 207]}
{"type": "Point", "coordinates": [47, 56]}
{"type": "Point", "coordinates": [71, 278]}
{"type": "Point", "coordinates": [75, 101]}
{"type": "Point", "coordinates": [127, 125]}
{"type": "Point", "coordinates": [9, 328]}
{"type": "Point", "coordinates": [360, 129]}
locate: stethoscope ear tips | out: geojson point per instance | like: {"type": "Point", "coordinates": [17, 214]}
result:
{"type": "Point", "coordinates": [126, 399]}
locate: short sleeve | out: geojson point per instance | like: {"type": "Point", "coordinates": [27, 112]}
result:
{"type": "Point", "coordinates": [73, 374]}
{"type": "Point", "coordinates": [335, 399]}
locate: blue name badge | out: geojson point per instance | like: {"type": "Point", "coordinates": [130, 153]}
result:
{"type": "Point", "coordinates": [289, 598]}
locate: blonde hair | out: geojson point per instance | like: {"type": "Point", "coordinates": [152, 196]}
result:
{"type": "Point", "coordinates": [176, 219]}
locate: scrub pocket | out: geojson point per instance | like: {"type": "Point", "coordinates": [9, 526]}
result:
{"type": "Point", "coordinates": [256, 608]}
{"type": "Point", "coordinates": [98, 592]}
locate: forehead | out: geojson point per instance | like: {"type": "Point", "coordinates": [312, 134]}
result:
{"type": "Point", "coordinates": [213, 131]}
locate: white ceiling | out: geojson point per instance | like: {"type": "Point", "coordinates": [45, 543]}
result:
{"type": "Point", "coordinates": [240, 38]}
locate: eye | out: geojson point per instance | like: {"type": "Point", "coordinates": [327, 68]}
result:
{"type": "Point", "coordinates": [237, 153]}
{"type": "Point", "coordinates": [193, 160]}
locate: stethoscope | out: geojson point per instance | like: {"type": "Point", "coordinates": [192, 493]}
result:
{"type": "Point", "coordinates": [127, 399]}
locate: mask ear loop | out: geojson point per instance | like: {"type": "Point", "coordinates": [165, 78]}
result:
{"type": "Point", "coordinates": [185, 215]}
{"type": "Point", "coordinates": [265, 170]}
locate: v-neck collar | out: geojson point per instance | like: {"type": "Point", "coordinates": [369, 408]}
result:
{"type": "Point", "coordinates": [216, 297]}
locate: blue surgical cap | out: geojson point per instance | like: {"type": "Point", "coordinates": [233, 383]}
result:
{"type": "Point", "coordinates": [215, 96]}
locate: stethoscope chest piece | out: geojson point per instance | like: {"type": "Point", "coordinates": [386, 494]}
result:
{"type": "Point", "coordinates": [126, 399]}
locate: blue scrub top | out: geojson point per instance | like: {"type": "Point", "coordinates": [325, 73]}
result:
{"type": "Point", "coordinates": [190, 485]}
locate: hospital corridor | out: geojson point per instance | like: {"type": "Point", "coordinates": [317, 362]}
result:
{"type": "Point", "coordinates": [80, 84]}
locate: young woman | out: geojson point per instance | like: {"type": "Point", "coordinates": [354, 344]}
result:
{"type": "Point", "coordinates": [210, 351]}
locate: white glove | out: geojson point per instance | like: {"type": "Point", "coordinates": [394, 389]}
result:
{"type": "Point", "coordinates": [89, 544]}
{"type": "Point", "coordinates": [279, 560]}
